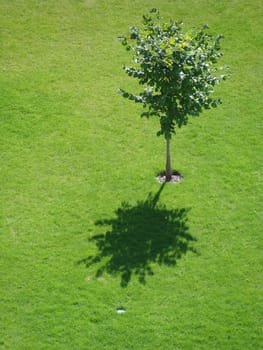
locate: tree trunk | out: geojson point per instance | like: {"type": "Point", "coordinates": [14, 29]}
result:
{"type": "Point", "coordinates": [168, 168]}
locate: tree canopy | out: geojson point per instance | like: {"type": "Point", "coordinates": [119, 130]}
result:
{"type": "Point", "coordinates": [177, 69]}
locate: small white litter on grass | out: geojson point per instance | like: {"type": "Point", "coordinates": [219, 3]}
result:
{"type": "Point", "coordinates": [120, 310]}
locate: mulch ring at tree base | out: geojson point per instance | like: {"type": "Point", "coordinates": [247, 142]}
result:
{"type": "Point", "coordinates": [176, 177]}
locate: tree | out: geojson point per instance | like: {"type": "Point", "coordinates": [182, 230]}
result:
{"type": "Point", "coordinates": [177, 69]}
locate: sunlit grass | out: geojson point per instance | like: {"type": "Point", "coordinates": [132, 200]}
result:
{"type": "Point", "coordinates": [75, 154]}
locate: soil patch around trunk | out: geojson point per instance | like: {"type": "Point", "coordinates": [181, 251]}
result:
{"type": "Point", "coordinates": [175, 178]}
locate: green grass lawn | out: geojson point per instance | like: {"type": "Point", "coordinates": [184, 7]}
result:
{"type": "Point", "coordinates": [85, 227]}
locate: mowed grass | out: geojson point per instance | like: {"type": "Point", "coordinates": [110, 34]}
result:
{"type": "Point", "coordinates": [77, 174]}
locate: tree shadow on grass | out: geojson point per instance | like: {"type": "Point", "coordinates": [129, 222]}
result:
{"type": "Point", "coordinates": [139, 236]}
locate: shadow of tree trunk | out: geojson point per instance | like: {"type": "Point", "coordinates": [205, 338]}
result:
{"type": "Point", "coordinates": [139, 236]}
